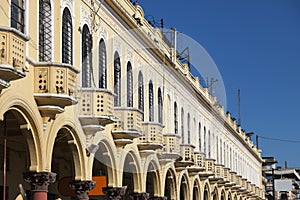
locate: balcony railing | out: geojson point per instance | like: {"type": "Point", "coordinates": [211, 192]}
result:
{"type": "Point", "coordinates": [171, 147]}
{"type": "Point", "coordinates": [96, 106]}
{"type": "Point", "coordinates": [199, 163]}
{"type": "Point", "coordinates": [152, 137]}
{"type": "Point", "coordinates": [187, 156]}
{"type": "Point", "coordinates": [128, 125]}
{"type": "Point", "coordinates": [54, 87]}
{"type": "Point", "coordinates": [12, 56]}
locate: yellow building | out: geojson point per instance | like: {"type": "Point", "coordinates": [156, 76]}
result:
{"type": "Point", "coordinates": [84, 100]}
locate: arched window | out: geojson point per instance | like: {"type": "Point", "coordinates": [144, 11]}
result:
{"type": "Point", "coordinates": [102, 64]}
{"type": "Point", "coordinates": [129, 85]}
{"type": "Point", "coordinates": [67, 37]}
{"type": "Point", "coordinates": [117, 80]}
{"type": "Point", "coordinates": [87, 69]}
{"type": "Point", "coordinates": [199, 133]}
{"type": "Point", "coordinates": [204, 140]}
{"type": "Point", "coordinates": [17, 14]}
{"type": "Point", "coordinates": [182, 125]}
{"type": "Point", "coordinates": [188, 127]}
{"type": "Point", "coordinates": [141, 92]}
{"type": "Point", "coordinates": [217, 147]}
{"type": "Point", "coordinates": [175, 118]}
{"type": "Point", "coordinates": [151, 102]}
{"type": "Point", "coordinates": [209, 141]}
{"type": "Point", "coordinates": [45, 31]}
{"type": "Point", "coordinates": [160, 106]}
{"type": "Point", "coordinates": [221, 152]}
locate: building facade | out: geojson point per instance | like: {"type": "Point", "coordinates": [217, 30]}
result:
{"type": "Point", "coordinates": [94, 104]}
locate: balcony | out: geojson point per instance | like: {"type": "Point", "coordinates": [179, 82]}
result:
{"type": "Point", "coordinates": [209, 169]}
{"type": "Point", "coordinates": [231, 179]}
{"type": "Point", "coordinates": [152, 138]}
{"type": "Point", "coordinates": [218, 174]}
{"type": "Point", "coordinates": [54, 87]}
{"type": "Point", "coordinates": [128, 125]}
{"type": "Point", "coordinates": [187, 156]}
{"type": "Point", "coordinates": [96, 107]}
{"type": "Point", "coordinates": [12, 56]}
{"type": "Point", "coordinates": [171, 147]}
{"type": "Point", "coordinates": [199, 163]}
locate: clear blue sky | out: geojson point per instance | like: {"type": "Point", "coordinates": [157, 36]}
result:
{"type": "Point", "coordinates": [256, 47]}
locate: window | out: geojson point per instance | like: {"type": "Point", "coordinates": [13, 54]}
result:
{"type": "Point", "coordinates": [188, 127]}
{"type": "Point", "coordinates": [182, 125]}
{"type": "Point", "coordinates": [17, 15]}
{"type": "Point", "coordinates": [217, 147]}
{"type": "Point", "coordinates": [87, 69]}
{"type": "Point", "coordinates": [45, 31]}
{"type": "Point", "coordinates": [204, 140]}
{"type": "Point", "coordinates": [102, 64]}
{"type": "Point", "coordinates": [151, 102]}
{"type": "Point", "coordinates": [129, 85]}
{"type": "Point", "coordinates": [141, 92]}
{"type": "Point", "coordinates": [199, 132]}
{"type": "Point", "coordinates": [209, 141]}
{"type": "Point", "coordinates": [117, 80]}
{"type": "Point", "coordinates": [160, 106]}
{"type": "Point", "coordinates": [67, 37]}
{"type": "Point", "coordinates": [175, 118]}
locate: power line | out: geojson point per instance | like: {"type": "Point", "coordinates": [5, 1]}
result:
{"type": "Point", "coordinates": [278, 139]}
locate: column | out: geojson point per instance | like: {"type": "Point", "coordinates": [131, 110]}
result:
{"type": "Point", "coordinates": [82, 189]}
{"type": "Point", "coordinates": [115, 193]}
{"type": "Point", "coordinates": [39, 182]}
{"type": "Point", "coordinates": [139, 196]}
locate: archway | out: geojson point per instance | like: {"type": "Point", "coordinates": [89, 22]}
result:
{"type": "Point", "coordinates": [103, 167]}
{"type": "Point", "coordinates": [229, 196]}
{"type": "Point", "coordinates": [196, 193]}
{"type": "Point", "coordinates": [17, 151]}
{"type": "Point", "coordinates": [63, 157]}
{"type": "Point", "coordinates": [170, 184]}
{"type": "Point", "coordinates": [183, 192]}
{"type": "Point", "coordinates": [206, 193]}
{"type": "Point", "coordinates": [151, 182]}
{"type": "Point", "coordinates": [129, 175]}
{"type": "Point", "coordinates": [215, 194]}
{"type": "Point", "coordinates": [222, 195]}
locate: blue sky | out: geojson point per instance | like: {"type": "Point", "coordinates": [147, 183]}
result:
{"type": "Point", "coordinates": [256, 47]}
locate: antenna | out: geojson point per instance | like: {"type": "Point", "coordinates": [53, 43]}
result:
{"type": "Point", "coordinates": [239, 106]}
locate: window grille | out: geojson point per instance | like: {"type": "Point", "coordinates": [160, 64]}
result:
{"type": "Point", "coordinates": [151, 102]}
{"type": "Point", "coordinates": [141, 92]}
{"type": "Point", "coordinates": [175, 118]}
{"type": "Point", "coordinates": [188, 127]}
{"type": "Point", "coordinates": [87, 70]}
{"type": "Point", "coordinates": [199, 132]}
{"type": "Point", "coordinates": [67, 36]}
{"type": "Point", "coordinates": [17, 15]}
{"type": "Point", "coordinates": [160, 107]}
{"type": "Point", "coordinates": [182, 125]}
{"type": "Point", "coordinates": [102, 64]}
{"type": "Point", "coordinates": [117, 80]}
{"type": "Point", "coordinates": [129, 85]}
{"type": "Point", "coordinates": [45, 30]}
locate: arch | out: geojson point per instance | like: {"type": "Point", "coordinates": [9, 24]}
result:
{"type": "Point", "coordinates": [152, 179]}
{"type": "Point", "coordinates": [214, 194]}
{"type": "Point", "coordinates": [129, 76]}
{"type": "Point", "coordinates": [184, 187]}
{"type": "Point", "coordinates": [130, 173]}
{"type": "Point", "coordinates": [45, 31]}
{"type": "Point", "coordinates": [222, 196]}
{"type": "Point", "coordinates": [87, 68]}
{"type": "Point", "coordinates": [67, 37]}
{"type": "Point", "coordinates": [206, 192]}
{"type": "Point", "coordinates": [117, 79]}
{"type": "Point", "coordinates": [196, 189]}
{"type": "Point", "coordinates": [102, 56]}
{"type": "Point", "coordinates": [169, 179]}
{"type": "Point", "coordinates": [65, 126]}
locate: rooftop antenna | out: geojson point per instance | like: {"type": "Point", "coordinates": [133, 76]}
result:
{"type": "Point", "coordinates": [239, 106]}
